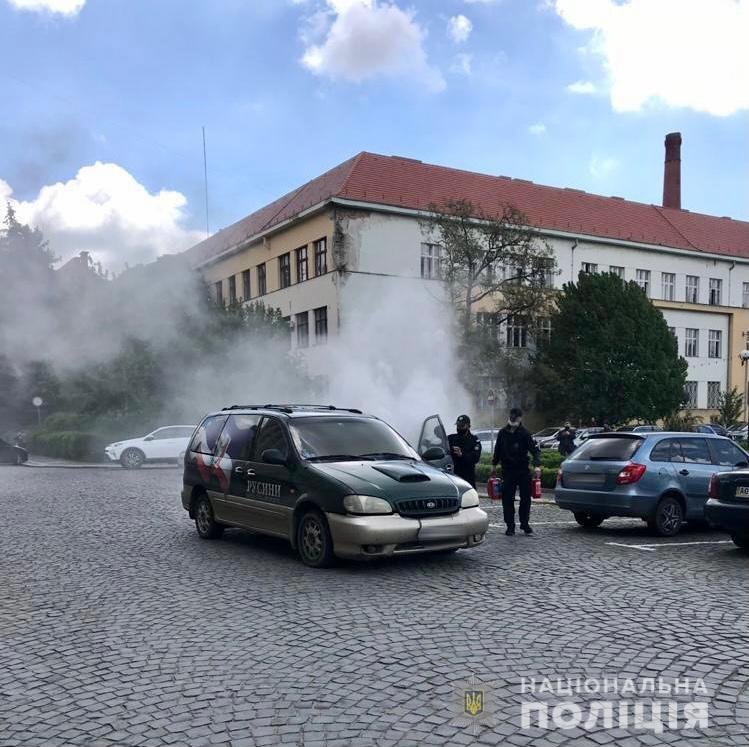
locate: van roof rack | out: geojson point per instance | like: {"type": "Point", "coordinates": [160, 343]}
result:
{"type": "Point", "coordinates": [294, 408]}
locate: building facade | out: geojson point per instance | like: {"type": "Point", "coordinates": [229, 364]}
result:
{"type": "Point", "coordinates": [356, 232]}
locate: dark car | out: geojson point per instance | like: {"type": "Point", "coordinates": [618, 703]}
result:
{"type": "Point", "coordinates": [12, 454]}
{"type": "Point", "coordinates": [714, 428]}
{"type": "Point", "coordinates": [728, 505]}
{"type": "Point", "coordinates": [333, 482]}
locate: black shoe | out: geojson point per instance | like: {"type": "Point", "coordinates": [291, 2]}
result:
{"type": "Point", "coordinates": [510, 532]}
{"type": "Point", "coordinates": [527, 529]}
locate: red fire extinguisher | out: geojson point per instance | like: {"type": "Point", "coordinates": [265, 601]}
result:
{"type": "Point", "coordinates": [494, 488]}
{"type": "Point", "coordinates": [536, 487]}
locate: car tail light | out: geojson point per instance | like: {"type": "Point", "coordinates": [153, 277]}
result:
{"type": "Point", "coordinates": [630, 474]}
{"type": "Point", "coordinates": [712, 491]}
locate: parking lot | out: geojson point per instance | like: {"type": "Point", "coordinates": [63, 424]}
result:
{"type": "Point", "coordinates": [120, 627]}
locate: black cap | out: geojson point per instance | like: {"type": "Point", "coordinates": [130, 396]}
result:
{"type": "Point", "coordinates": [463, 420]}
{"type": "Point", "coordinates": [516, 413]}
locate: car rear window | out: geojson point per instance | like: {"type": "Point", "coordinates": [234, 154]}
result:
{"type": "Point", "coordinates": [619, 449]}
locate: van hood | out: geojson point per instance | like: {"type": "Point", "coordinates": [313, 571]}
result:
{"type": "Point", "coordinates": [392, 479]}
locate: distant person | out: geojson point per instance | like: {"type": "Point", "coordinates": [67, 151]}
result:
{"type": "Point", "coordinates": [566, 438]}
{"type": "Point", "coordinates": [465, 449]}
{"type": "Point", "coordinates": [514, 448]}
{"type": "Point", "coordinates": [607, 427]}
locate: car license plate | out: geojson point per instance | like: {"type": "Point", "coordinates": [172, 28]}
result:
{"type": "Point", "coordinates": [742, 491]}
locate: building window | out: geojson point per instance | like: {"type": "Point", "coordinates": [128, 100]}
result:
{"type": "Point", "coordinates": [262, 283]}
{"type": "Point", "coordinates": [691, 343]}
{"type": "Point", "coordinates": [714, 343]}
{"type": "Point", "coordinates": [302, 330]}
{"type": "Point", "coordinates": [690, 394]}
{"type": "Point", "coordinates": [544, 330]}
{"type": "Point", "coordinates": [616, 270]}
{"type": "Point", "coordinates": [672, 330]}
{"type": "Point", "coordinates": [642, 278]}
{"type": "Point", "coordinates": [693, 289]}
{"type": "Point", "coordinates": [745, 295]}
{"type": "Point", "coordinates": [430, 261]}
{"type": "Point", "coordinates": [233, 289]}
{"type": "Point", "coordinates": [588, 268]}
{"type": "Point", "coordinates": [321, 257]}
{"type": "Point", "coordinates": [544, 272]}
{"type": "Point", "coordinates": [716, 291]}
{"type": "Point", "coordinates": [219, 286]}
{"type": "Point", "coordinates": [321, 325]}
{"type": "Point", "coordinates": [246, 286]}
{"type": "Point", "coordinates": [284, 270]}
{"type": "Point", "coordinates": [302, 267]}
{"type": "Point", "coordinates": [668, 286]}
{"type": "Point", "coordinates": [517, 332]}
{"type": "Point", "coordinates": [713, 395]}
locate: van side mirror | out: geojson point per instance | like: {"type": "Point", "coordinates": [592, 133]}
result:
{"type": "Point", "coordinates": [433, 454]}
{"type": "Point", "coordinates": [273, 456]}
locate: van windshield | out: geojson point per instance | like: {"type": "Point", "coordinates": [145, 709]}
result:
{"type": "Point", "coordinates": [607, 449]}
{"type": "Point", "coordinates": [348, 439]}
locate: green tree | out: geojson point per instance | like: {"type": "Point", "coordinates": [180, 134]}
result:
{"type": "Point", "coordinates": [730, 407]}
{"type": "Point", "coordinates": [610, 355]}
{"type": "Point", "coordinates": [22, 245]}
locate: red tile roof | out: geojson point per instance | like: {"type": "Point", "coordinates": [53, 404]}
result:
{"type": "Point", "coordinates": [406, 183]}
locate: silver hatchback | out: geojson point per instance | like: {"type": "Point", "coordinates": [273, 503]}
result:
{"type": "Point", "coordinates": [662, 478]}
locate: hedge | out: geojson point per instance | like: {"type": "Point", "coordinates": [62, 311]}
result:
{"type": "Point", "coordinates": [548, 474]}
{"type": "Point", "coordinates": [76, 445]}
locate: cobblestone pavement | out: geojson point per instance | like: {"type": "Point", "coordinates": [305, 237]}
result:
{"type": "Point", "coordinates": [120, 627]}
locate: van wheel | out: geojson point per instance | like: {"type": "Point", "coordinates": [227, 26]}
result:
{"type": "Point", "coordinates": [589, 521]}
{"type": "Point", "coordinates": [207, 526]}
{"type": "Point", "coordinates": [313, 540]}
{"type": "Point", "coordinates": [668, 517]}
{"type": "Point", "coordinates": [132, 458]}
{"type": "Point", "coordinates": [741, 541]}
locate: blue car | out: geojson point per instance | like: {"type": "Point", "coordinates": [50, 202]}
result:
{"type": "Point", "coordinates": [663, 478]}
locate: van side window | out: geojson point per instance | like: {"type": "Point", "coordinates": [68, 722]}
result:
{"type": "Point", "coordinates": [204, 440]}
{"type": "Point", "coordinates": [238, 436]}
{"type": "Point", "coordinates": [727, 454]}
{"type": "Point", "coordinates": [270, 436]}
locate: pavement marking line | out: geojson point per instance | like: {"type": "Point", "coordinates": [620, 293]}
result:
{"type": "Point", "coordinates": [536, 524]}
{"type": "Point", "coordinates": [651, 547]}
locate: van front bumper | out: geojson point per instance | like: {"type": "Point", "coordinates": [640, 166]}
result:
{"type": "Point", "coordinates": [379, 536]}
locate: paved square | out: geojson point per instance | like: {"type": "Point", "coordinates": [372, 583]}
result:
{"type": "Point", "coordinates": [120, 627]}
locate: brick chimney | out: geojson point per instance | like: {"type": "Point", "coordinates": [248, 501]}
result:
{"type": "Point", "coordinates": [672, 172]}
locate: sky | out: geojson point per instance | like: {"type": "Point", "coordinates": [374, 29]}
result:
{"type": "Point", "coordinates": [104, 101]}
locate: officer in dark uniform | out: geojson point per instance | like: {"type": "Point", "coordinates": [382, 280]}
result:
{"type": "Point", "coordinates": [514, 449]}
{"type": "Point", "coordinates": [465, 449]}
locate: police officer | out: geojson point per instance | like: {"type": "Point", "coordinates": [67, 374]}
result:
{"type": "Point", "coordinates": [465, 449]}
{"type": "Point", "coordinates": [513, 450]}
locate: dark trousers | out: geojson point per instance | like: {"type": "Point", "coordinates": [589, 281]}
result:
{"type": "Point", "coordinates": [511, 481]}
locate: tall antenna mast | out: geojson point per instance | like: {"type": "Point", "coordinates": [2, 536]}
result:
{"type": "Point", "coordinates": [205, 177]}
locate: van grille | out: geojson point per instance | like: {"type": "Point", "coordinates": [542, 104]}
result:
{"type": "Point", "coordinates": [427, 506]}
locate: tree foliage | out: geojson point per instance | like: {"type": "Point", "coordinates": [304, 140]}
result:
{"type": "Point", "coordinates": [730, 407]}
{"type": "Point", "coordinates": [610, 356]}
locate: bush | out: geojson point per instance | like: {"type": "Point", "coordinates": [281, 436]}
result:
{"type": "Point", "coordinates": [548, 474]}
{"type": "Point", "coordinates": [75, 445]}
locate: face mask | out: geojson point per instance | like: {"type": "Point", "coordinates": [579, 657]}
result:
{"type": "Point", "coordinates": [513, 423]}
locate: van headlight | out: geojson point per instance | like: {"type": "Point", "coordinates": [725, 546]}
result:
{"type": "Point", "coordinates": [469, 499]}
{"type": "Point", "coordinates": [366, 504]}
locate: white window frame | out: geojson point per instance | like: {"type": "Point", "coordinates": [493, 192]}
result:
{"type": "Point", "coordinates": [716, 292]}
{"type": "Point", "coordinates": [588, 268]}
{"type": "Point", "coordinates": [516, 333]}
{"type": "Point", "coordinates": [692, 289]}
{"type": "Point", "coordinates": [745, 296]}
{"type": "Point", "coordinates": [617, 270]}
{"type": "Point", "coordinates": [714, 343]}
{"type": "Point", "coordinates": [668, 286]}
{"type": "Point", "coordinates": [642, 278]}
{"type": "Point", "coordinates": [691, 339]}
{"type": "Point", "coordinates": [431, 261]}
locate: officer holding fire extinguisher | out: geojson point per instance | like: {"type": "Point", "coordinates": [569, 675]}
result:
{"type": "Point", "coordinates": [513, 450]}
